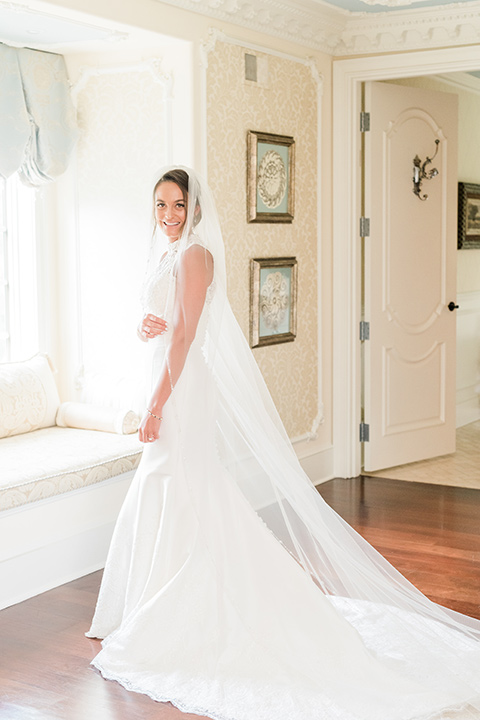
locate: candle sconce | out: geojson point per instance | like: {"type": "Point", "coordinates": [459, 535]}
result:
{"type": "Point", "coordinates": [420, 174]}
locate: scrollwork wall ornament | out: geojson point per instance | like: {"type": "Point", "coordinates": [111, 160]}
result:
{"type": "Point", "coordinates": [208, 46]}
{"type": "Point", "coordinates": [317, 76]}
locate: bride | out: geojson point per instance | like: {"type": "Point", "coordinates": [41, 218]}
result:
{"type": "Point", "coordinates": [231, 589]}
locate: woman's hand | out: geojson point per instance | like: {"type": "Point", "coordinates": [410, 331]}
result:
{"type": "Point", "coordinates": [151, 326]}
{"type": "Point", "coordinates": [149, 429]}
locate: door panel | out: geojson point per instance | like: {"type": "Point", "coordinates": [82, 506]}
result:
{"type": "Point", "coordinates": [410, 275]}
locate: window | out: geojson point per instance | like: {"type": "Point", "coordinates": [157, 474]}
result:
{"type": "Point", "coordinates": [18, 272]}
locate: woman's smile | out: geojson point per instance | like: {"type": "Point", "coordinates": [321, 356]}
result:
{"type": "Point", "coordinates": [170, 209]}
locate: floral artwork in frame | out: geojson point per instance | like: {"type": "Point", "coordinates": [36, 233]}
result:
{"type": "Point", "coordinates": [468, 216]}
{"type": "Point", "coordinates": [273, 300]}
{"type": "Point", "coordinates": [270, 177]}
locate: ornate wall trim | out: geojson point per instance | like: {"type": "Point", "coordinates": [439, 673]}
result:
{"type": "Point", "coordinates": [413, 29]}
{"type": "Point", "coordinates": [207, 47]}
{"type": "Point", "coordinates": [308, 23]}
{"type": "Point", "coordinates": [335, 31]}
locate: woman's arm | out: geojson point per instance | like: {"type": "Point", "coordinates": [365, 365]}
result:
{"type": "Point", "coordinates": [194, 275]}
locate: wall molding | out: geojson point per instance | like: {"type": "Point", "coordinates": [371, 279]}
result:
{"type": "Point", "coordinates": [335, 31]}
{"type": "Point", "coordinates": [208, 46]}
{"type": "Point", "coordinates": [468, 358]}
{"type": "Point", "coordinates": [413, 29]}
{"type": "Point", "coordinates": [305, 22]}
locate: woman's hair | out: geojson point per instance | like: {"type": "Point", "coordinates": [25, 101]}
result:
{"type": "Point", "coordinates": [180, 178]}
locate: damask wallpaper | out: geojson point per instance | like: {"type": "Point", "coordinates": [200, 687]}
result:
{"type": "Point", "coordinates": [285, 104]}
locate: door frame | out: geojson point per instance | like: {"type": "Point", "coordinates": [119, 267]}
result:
{"type": "Point", "coordinates": [348, 76]}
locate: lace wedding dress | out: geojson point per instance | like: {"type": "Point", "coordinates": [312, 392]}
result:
{"type": "Point", "coordinates": [280, 614]}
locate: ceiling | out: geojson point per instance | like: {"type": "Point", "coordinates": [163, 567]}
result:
{"type": "Point", "coordinates": [338, 27]}
{"type": "Point", "coordinates": [21, 26]}
{"type": "Point", "coordinates": [376, 6]}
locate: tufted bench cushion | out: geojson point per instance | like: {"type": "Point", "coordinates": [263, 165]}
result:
{"type": "Point", "coordinates": [54, 460]}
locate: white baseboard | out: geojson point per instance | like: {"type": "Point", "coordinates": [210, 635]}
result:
{"type": "Point", "coordinates": [317, 462]}
{"type": "Point", "coordinates": [51, 542]}
{"type": "Point", "coordinates": [468, 411]}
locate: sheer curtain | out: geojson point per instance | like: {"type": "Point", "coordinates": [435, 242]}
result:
{"type": "Point", "coordinates": [38, 128]}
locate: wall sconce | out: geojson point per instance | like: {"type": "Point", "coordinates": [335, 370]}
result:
{"type": "Point", "coordinates": [419, 173]}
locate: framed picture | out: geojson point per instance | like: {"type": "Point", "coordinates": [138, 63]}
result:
{"type": "Point", "coordinates": [468, 216]}
{"type": "Point", "coordinates": [273, 300]}
{"type": "Point", "coordinates": [270, 177]}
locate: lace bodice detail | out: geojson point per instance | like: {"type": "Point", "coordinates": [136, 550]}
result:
{"type": "Point", "coordinates": [160, 284]}
{"type": "Point", "coordinates": [158, 295]}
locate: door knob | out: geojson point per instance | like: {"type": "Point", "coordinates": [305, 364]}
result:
{"type": "Point", "coordinates": [451, 306]}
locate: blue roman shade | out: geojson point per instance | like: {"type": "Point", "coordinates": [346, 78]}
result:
{"type": "Point", "coordinates": [38, 128]}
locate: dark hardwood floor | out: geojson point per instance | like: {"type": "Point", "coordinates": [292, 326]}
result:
{"type": "Point", "coordinates": [431, 533]}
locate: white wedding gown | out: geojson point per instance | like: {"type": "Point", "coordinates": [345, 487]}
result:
{"type": "Point", "coordinates": [202, 606]}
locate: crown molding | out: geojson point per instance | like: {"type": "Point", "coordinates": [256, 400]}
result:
{"type": "Point", "coordinates": [310, 23]}
{"type": "Point", "coordinates": [413, 29]}
{"type": "Point", "coordinates": [325, 28]}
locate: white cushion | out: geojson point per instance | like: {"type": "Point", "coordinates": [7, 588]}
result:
{"type": "Point", "coordinates": [93, 417]}
{"type": "Point", "coordinates": [55, 460]}
{"type": "Point", "coordinates": [28, 396]}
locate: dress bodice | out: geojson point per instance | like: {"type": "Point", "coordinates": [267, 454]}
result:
{"type": "Point", "coordinates": [158, 296]}
{"type": "Point", "coordinates": [159, 289]}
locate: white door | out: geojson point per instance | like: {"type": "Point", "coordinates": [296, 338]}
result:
{"type": "Point", "coordinates": [409, 276]}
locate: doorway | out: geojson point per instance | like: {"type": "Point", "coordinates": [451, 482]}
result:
{"type": "Point", "coordinates": [348, 78]}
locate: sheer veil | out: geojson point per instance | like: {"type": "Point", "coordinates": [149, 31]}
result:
{"type": "Point", "coordinates": [255, 450]}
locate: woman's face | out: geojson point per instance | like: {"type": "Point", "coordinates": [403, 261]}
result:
{"type": "Point", "coordinates": [170, 210]}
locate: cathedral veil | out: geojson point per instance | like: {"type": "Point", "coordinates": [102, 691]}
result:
{"type": "Point", "coordinates": [255, 450]}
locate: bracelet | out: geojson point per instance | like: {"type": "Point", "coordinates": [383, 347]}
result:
{"type": "Point", "coordinates": [155, 416]}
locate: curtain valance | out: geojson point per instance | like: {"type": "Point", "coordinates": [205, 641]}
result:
{"type": "Point", "coordinates": [38, 126]}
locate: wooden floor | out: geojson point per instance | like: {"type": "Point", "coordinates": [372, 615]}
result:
{"type": "Point", "coordinates": [431, 533]}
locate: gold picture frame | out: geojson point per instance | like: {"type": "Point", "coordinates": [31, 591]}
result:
{"type": "Point", "coordinates": [468, 216]}
{"type": "Point", "coordinates": [273, 301]}
{"type": "Point", "coordinates": [270, 178]}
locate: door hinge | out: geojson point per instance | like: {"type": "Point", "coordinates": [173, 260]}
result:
{"type": "Point", "coordinates": [364, 330]}
{"type": "Point", "coordinates": [364, 432]}
{"type": "Point", "coordinates": [364, 227]}
{"type": "Point", "coordinates": [364, 121]}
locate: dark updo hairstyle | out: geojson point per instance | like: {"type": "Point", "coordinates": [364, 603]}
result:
{"type": "Point", "coordinates": [180, 178]}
